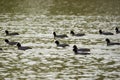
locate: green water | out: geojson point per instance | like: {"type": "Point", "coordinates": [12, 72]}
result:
{"type": "Point", "coordinates": [35, 21]}
{"type": "Point", "coordinates": [62, 7]}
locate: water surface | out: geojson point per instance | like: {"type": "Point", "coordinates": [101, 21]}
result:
{"type": "Point", "coordinates": [45, 61]}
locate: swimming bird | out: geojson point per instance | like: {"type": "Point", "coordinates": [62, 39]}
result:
{"type": "Point", "coordinates": [105, 33]}
{"type": "Point", "coordinates": [59, 36]}
{"type": "Point", "coordinates": [80, 52]}
{"type": "Point", "coordinates": [81, 49]}
{"type": "Point", "coordinates": [117, 30]}
{"type": "Point", "coordinates": [111, 43]}
{"type": "Point", "coordinates": [22, 47]}
{"type": "Point", "coordinates": [10, 43]}
{"type": "Point", "coordinates": [60, 45]}
{"type": "Point", "coordinates": [11, 34]}
{"type": "Point", "coordinates": [78, 34]}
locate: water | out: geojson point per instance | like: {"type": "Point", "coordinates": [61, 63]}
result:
{"type": "Point", "coordinates": [45, 61]}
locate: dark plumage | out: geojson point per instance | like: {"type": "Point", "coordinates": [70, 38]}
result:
{"type": "Point", "coordinates": [81, 49]}
{"type": "Point", "coordinates": [60, 45]}
{"type": "Point", "coordinates": [78, 34]}
{"type": "Point", "coordinates": [0, 48]}
{"type": "Point", "coordinates": [80, 52]}
{"type": "Point", "coordinates": [111, 43]}
{"type": "Point", "coordinates": [10, 43]}
{"type": "Point", "coordinates": [11, 34]}
{"type": "Point", "coordinates": [117, 30]}
{"type": "Point", "coordinates": [22, 47]}
{"type": "Point", "coordinates": [105, 33]}
{"type": "Point", "coordinates": [59, 36]}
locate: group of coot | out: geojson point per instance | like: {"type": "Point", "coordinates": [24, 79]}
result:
{"type": "Point", "coordinates": [14, 43]}
{"type": "Point", "coordinates": [83, 51]}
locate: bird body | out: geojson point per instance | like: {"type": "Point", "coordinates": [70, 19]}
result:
{"type": "Point", "coordinates": [111, 43]}
{"type": "Point", "coordinates": [117, 30]}
{"type": "Point", "coordinates": [59, 36]}
{"type": "Point", "coordinates": [61, 45]}
{"type": "Point", "coordinates": [11, 34]}
{"type": "Point", "coordinates": [81, 49]}
{"type": "Point", "coordinates": [78, 34]}
{"type": "Point", "coordinates": [10, 43]}
{"type": "Point", "coordinates": [80, 52]}
{"type": "Point", "coordinates": [22, 47]}
{"type": "Point", "coordinates": [105, 33]}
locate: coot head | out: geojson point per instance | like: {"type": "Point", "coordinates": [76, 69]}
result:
{"type": "Point", "coordinates": [54, 33]}
{"type": "Point", "coordinates": [71, 32]}
{"type": "Point", "coordinates": [107, 40]}
{"type": "Point", "coordinates": [57, 42]}
{"type": "Point", "coordinates": [100, 31]}
{"type": "Point", "coordinates": [74, 47]}
{"type": "Point", "coordinates": [6, 40]}
{"type": "Point", "coordinates": [18, 44]}
{"type": "Point", "coordinates": [6, 31]}
{"type": "Point", "coordinates": [116, 29]}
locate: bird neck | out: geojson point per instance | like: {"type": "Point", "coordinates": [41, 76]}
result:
{"type": "Point", "coordinates": [75, 51]}
{"type": "Point", "coordinates": [6, 32]}
{"type": "Point", "coordinates": [108, 41]}
{"type": "Point", "coordinates": [54, 34]}
{"type": "Point", "coordinates": [116, 29]}
{"type": "Point", "coordinates": [7, 41]}
{"type": "Point", "coordinates": [75, 47]}
{"type": "Point", "coordinates": [57, 43]}
{"type": "Point", "coordinates": [19, 45]}
{"type": "Point", "coordinates": [72, 33]}
{"type": "Point", "coordinates": [100, 31]}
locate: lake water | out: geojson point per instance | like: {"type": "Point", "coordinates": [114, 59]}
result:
{"type": "Point", "coordinates": [46, 61]}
